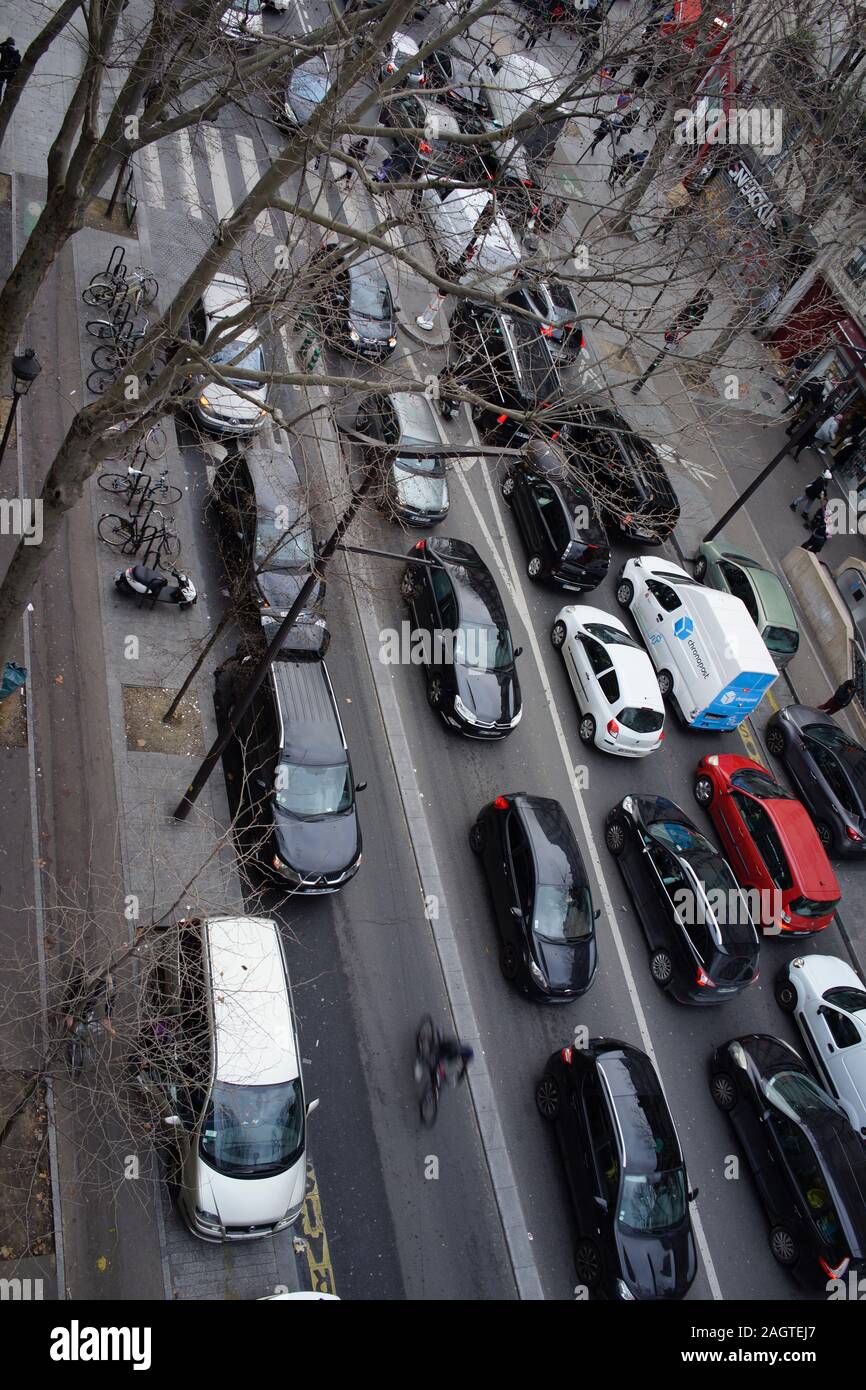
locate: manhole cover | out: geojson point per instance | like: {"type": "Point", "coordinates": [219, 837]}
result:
{"type": "Point", "coordinates": [143, 708]}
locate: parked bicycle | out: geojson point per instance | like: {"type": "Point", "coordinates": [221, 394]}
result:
{"type": "Point", "coordinates": [136, 485]}
{"type": "Point", "coordinates": [438, 1060]}
{"type": "Point", "coordinates": [104, 289]}
{"type": "Point", "coordinates": [152, 446]}
{"type": "Point", "coordinates": [129, 534]}
{"type": "Point", "coordinates": [102, 378]}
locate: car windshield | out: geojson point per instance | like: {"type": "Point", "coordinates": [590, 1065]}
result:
{"type": "Point", "coordinates": [251, 361]}
{"type": "Point", "coordinates": [310, 86]}
{"type": "Point", "coordinates": [370, 297]}
{"type": "Point", "coordinates": [279, 547]}
{"type": "Point", "coordinates": [641, 721]}
{"type": "Point", "coordinates": [798, 1096]}
{"type": "Point", "coordinates": [759, 784]}
{"type": "Point", "coordinates": [431, 464]}
{"type": "Point", "coordinates": [240, 8]}
{"type": "Point", "coordinates": [307, 791]}
{"type": "Point", "coordinates": [612, 635]}
{"type": "Point", "coordinates": [653, 1202]}
{"type": "Point", "coordinates": [813, 907]}
{"type": "Point", "coordinates": [253, 1131]}
{"type": "Point", "coordinates": [483, 648]}
{"type": "Point", "coordinates": [562, 912]}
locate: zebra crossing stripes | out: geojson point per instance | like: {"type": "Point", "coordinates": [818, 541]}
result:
{"type": "Point", "coordinates": [186, 173]}
{"type": "Point", "coordinates": [149, 162]}
{"type": "Point", "coordinates": [224, 202]}
{"type": "Point", "coordinates": [250, 171]}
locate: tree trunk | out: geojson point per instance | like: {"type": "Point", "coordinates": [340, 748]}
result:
{"type": "Point", "coordinates": [718, 350]}
{"type": "Point", "coordinates": [62, 215]}
{"type": "Point", "coordinates": [635, 195]}
{"type": "Point", "coordinates": [38, 47]}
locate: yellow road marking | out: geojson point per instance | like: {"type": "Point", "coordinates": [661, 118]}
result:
{"type": "Point", "coordinates": [750, 743]}
{"type": "Point", "coordinates": [313, 1226]}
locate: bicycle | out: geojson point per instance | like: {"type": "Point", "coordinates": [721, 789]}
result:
{"type": "Point", "coordinates": [128, 534]}
{"type": "Point", "coordinates": [427, 1041]}
{"type": "Point", "coordinates": [126, 486]}
{"type": "Point", "coordinates": [103, 378]}
{"type": "Point", "coordinates": [104, 288]}
{"type": "Point", "coordinates": [152, 446]}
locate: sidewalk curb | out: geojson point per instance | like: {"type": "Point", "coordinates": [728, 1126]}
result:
{"type": "Point", "coordinates": [428, 339]}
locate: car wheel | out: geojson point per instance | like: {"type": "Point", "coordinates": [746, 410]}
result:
{"type": "Point", "coordinates": [547, 1097]}
{"type": "Point", "coordinates": [703, 791]}
{"type": "Point", "coordinates": [614, 836]}
{"type": "Point", "coordinates": [825, 834]}
{"type": "Point", "coordinates": [586, 729]}
{"type": "Point", "coordinates": [476, 839]}
{"type": "Point", "coordinates": [557, 634]}
{"type": "Point", "coordinates": [509, 961]}
{"type": "Point", "coordinates": [700, 568]}
{"type": "Point", "coordinates": [508, 488]}
{"type": "Point", "coordinates": [434, 692]}
{"type": "Point", "coordinates": [786, 995]}
{"type": "Point", "coordinates": [407, 586]}
{"type": "Point", "coordinates": [666, 682]}
{"type": "Point", "coordinates": [784, 1247]}
{"type": "Point", "coordinates": [723, 1089]}
{"type": "Point", "coordinates": [534, 566]}
{"type": "Point", "coordinates": [775, 741]}
{"type": "Point", "coordinates": [624, 593]}
{"type": "Point", "coordinates": [661, 968]}
{"type": "Point", "coordinates": [587, 1264]}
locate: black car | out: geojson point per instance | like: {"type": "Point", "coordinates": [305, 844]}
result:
{"type": "Point", "coordinates": [565, 541]}
{"type": "Point", "coordinates": [463, 639]}
{"type": "Point", "coordinates": [359, 313]}
{"type": "Point", "coordinates": [703, 943]}
{"type": "Point", "coordinates": [506, 359]}
{"type": "Point", "coordinates": [307, 87]}
{"type": "Point", "coordinates": [809, 1165]}
{"type": "Point", "coordinates": [625, 1169]}
{"type": "Point", "coordinates": [540, 894]}
{"type": "Point", "coordinates": [829, 771]}
{"type": "Point", "coordinates": [459, 80]}
{"type": "Point", "coordinates": [552, 303]}
{"type": "Point", "coordinates": [623, 472]}
{"type": "Point", "coordinates": [297, 775]}
{"type": "Point", "coordinates": [265, 531]}
{"type": "Point", "coordinates": [414, 487]}
{"type": "Point", "coordinates": [421, 155]}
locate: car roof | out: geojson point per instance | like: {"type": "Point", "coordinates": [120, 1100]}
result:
{"type": "Point", "coordinates": [254, 1030]}
{"type": "Point", "coordinates": [310, 733]}
{"type": "Point", "coordinates": [415, 416]}
{"type": "Point", "coordinates": [632, 1082]}
{"type": "Point", "coordinates": [477, 595]}
{"type": "Point", "coordinates": [273, 484]}
{"type": "Point", "coordinates": [225, 296]}
{"type": "Point", "coordinates": [555, 850]}
{"type": "Point", "coordinates": [796, 830]}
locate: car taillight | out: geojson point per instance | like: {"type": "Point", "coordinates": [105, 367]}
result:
{"type": "Point", "coordinates": [590, 549]}
{"type": "Point", "coordinates": [389, 67]}
{"type": "Point", "coordinates": [527, 183]}
{"type": "Point", "coordinates": [852, 833]}
{"type": "Point", "coordinates": [546, 330]}
{"type": "Point", "coordinates": [422, 81]}
{"type": "Point", "coordinates": [566, 1054]}
{"type": "Point", "coordinates": [420, 545]}
{"type": "Point", "coordinates": [613, 728]}
{"type": "Point", "coordinates": [500, 419]}
{"type": "Point", "coordinates": [703, 979]}
{"type": "Point", "coordinates": [424, 147]}
{"type": "Point", "coordinates": [662, 736]}
{"type": "Point", "coordinates": [501, 803]}
{"type": "Point", "coordinates": [838, 1271]}
{"type": "Point", "coordinates": [555, 435]}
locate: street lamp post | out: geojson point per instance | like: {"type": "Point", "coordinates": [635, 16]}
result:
{"type": "Point", "coordinates": [25, 370]}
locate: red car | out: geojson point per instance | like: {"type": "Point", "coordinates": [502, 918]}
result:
{"type": "Point", "coordinates": [770, 843]}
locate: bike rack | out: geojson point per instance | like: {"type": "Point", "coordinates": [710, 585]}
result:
{"type": "Point", "coordinates": [116, 263]}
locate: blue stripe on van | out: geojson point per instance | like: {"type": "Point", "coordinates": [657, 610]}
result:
{"type": "Point", "coordinates": [735, 702]}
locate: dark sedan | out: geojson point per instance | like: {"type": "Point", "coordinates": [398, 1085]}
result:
{"type": "Point", "coordinates": [809, 1165]}
{"type": "Point", "coordinates": [829, 771]}
{"type": "Point", "coordinates": [564, 538]}
{"type": "Point", "coordinates": [462, 639]}
{"type": "Point", "coordinates": [623, 472]}
{"type": "Point", "coordinates": [540, 895]}
{"type": "Point", "coordinates": [429, 153]}
{"type": "Point", "coordinates": [625, 1169]}
{"type": "Point", "coordinates": [703, 943]}
{"type": "Point", "coordinates": [307, 87]}
{"type": "Point", "coordinates": [459, 80]}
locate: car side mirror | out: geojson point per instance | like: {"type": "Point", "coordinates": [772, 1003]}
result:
{"type": "Point", "coordinates": [693, 1195]}
{"type": "Point", "coordinates": [360, 786]}
{"type": "Point", "coordinates": [601, 1203]}
{"type": "Point", "coordinates": [518, 651]}
{"type": "Point", "coordinates": [517, 912]}
{"type": "Point", "coordinates": [396, 308]}
{"type": "Point", "coordinates": [311, 1106]}
{"type": "Point", "coordinates": [173, 1121]}
{"type": "Point", "coordinates": [596, 914]}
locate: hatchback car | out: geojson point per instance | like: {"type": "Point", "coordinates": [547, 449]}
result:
{"type": "Point", "coordinates": [360, 313]}
{"type": "Point", "coordinates": [552, 302]}
{"type": "Point", "coordinates": [829, 771]}
{"type": "Point", "coordinates": [464, 639]}
{"type": "Point", "coordinates": [307, 88]}
{"type": "Point", "coordinates": [540, 894]}
{"type": "Point", "coordinates": [623, 472]}
{"type": "Point", "coordinates": [266, 536]}
{"type": "Point", "coordinates": [220, 408]}
{"type": "Point", "coordinates": [565, 541]}
{"type": "Point", "coordinates": [430, 154]}
{"type": "Point", "coordinates": [723, 567]}
{"type": "Point", "coordinates": [703, 944]}
{"type": "Point", "coordinates": [414, 487]}
{"type": "Point", "coordinates": [400, 49]}
{"type": "Point", "coordinates": [625, 1171]}
{"type": "Point", "coordinates": [809, 1165]}
{"type": "Point", "coordinates": [614, 682]}
{"type": "Point", "coordinates": [459, 79]}
{"type": "Point", "coordinates": [771, 844]}
{"type": "Point", "coordinates": [828, 1001]}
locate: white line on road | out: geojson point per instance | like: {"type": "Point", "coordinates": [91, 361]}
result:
{"type": "Point", "coordinates": [222, 194]}
{"type": "Point", "coordinates": [186, 173]}
{"type": "Point", "coordinates": [250, 171]}
{"type": "Point", "coordinates": [149, 161]}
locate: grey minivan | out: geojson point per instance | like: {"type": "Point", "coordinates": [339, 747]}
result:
{"type": "Point", "coordinates": [414, 488]}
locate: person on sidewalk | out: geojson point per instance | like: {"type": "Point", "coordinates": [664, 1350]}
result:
{"type": "Point", "coordinates": [814, 493]}
{"type": "Point", "coordinates": [356, 147]}
{"type": "Point", "coordinates": [689, 317]}
{"type": "Point", "coordinates": [10, 62]}
{"type": "Point", "coordinates": [808, 438]}
{"type": "Point", "coordinates": [627, 124]}
{"type": "Point", "coordinates": [819, 533]}
{"type": "Point", "coordinates": [827, 434]}
{"type": "Point", "coordinates": [840, 699]}
{"type": "Point", "coordinates": [625, 166]}
{"type": "Point", "coordinates": [608, 125]}
{"type": "Point", "coordinates": [808, 396]}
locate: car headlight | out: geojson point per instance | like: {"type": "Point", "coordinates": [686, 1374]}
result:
{"type": "Point", "coordinates": [538, 975]}
{"type": "Point", "coordinates": [623, 1291]}
{"type": "Point", "coordinates": [392, 342]}
{"type": "Point", "coordinates": [737, 1055]}
{"type": "Point", "coordinates": [628, 805]}
{"type": "Point", "coordinates": [203, 400]}
{"type": "Point", "coordinates": [517, 718]}
{"type": "Point", "coordinates": [354, 335]}
{"type": "Point", "coordinates": [460, 708]}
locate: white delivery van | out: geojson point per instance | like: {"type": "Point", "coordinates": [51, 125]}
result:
{"type": "Point", "coordinates": [515, 83]}
{"type": "Point", "coordinates": [452, 224]}
{"type": "Point", "coordinates": [709, 656]}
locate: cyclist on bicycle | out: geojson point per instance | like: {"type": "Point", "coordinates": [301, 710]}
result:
{"type": "Point", "coordinates": [451, 1061]}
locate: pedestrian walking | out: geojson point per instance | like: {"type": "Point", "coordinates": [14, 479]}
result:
{"type": "Point", "coordinates": [819, 532]}
{"type": "Point", "coordinates": [840, 699]}
{"type": "Point", "coordinates": [814, 493]}
{"type": "Point", "coordinates": [681, 201]}
{"type": "Point", "coordinates": [608, 125]}
{"type": "Point", "coordinates": [806, 399]}
{"type": "Point", "coordinates": [826, 434]}
{"type": "Point", "coordinates": [807, 441]}
{"type": "Point", "coordinates": [627, 124]}
{"type": "Point", "coordinates": [10, 62]}
{"type": "Point", "coordinates": [625, 166]}
{"type": "Point", "coordinates": [356, 147]}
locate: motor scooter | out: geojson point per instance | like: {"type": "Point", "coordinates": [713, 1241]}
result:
{"type": "Point", "coordinates": [147, 583]}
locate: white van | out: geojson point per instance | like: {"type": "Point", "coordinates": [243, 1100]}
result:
{"type": "Point", "coordinates": [515, 83]}
{"type": "Point", "coordinates": [218, 408]}
{"type": "Point", "coordinates": [220, 1060]}
{"type": "Point", "coordinates": [709, 656]}
{"type": "Point", "coordinates": [452, 223]}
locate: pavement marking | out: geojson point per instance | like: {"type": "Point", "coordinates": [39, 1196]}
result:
{"type": "Point", "coordinates": [750, 742]}
{"type": "Point", "coordinates": [317, 1251]}
{"type": "Point", "coordinates": [150, 167]}
{"type": "Point", "coordinates": [185, 162]}
{"type": "Point", "coordinates": [772, 701]}
{"type": "Point", "coordinates": [224, 202]}
{"type": "Point", "coordinates": [250, 171]}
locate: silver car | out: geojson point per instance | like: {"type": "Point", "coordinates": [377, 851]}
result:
{"type": "Point", "coordinates": [414, 487]}
{"type": "Point", "coordinates": [828, 1001]}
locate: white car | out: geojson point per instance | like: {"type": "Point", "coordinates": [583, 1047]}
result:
{"type": "Point", "coordinates": [621, 706]}
{"type": "Point", "coordinates": [828, 1001]}
{"type": "Point", "coordinates": [399, 49]}
{"type": "Point", "coordinates": [242, 21]}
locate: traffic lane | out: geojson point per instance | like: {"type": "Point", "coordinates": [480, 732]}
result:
{"type": "Point", "coordinates": [365, 970]}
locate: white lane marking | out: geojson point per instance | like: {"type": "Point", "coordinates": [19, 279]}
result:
{"type": "Point", "coordinates": [149, 161]}
{"type": "Point", "coordinates": [250, 171]}
{"type": "Point", "coordinates": [185, 161]}
{"type": "Point", "coordinates": [290, 356]}
{"type": "Point", "coordinates": [304, 21]}
{"type": "Point", "coordinates": [222, 194]}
